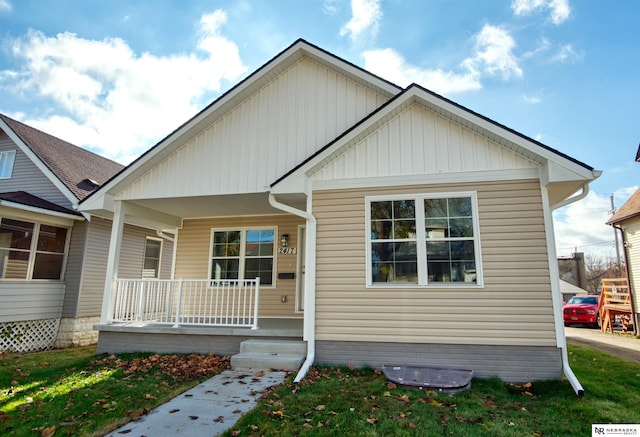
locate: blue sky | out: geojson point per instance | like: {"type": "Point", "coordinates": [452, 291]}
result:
{"type": "Point", "coordinates": [117, 76]}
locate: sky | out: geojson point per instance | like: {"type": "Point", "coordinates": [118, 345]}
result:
{"type": "Point", "coordinates": [116, 77]}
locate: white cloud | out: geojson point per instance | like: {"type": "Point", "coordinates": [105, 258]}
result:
{"type": "Point", "coordinates": [5, 6]}
{"type": "Point", "coordinates": [366, 16]}
{"type": "Point", "coordinates": [582, 225]}
{"type": "Point", "coordinates": [494, 53]}
{"type": "Point", "coordinates": [389, 64]}
{"type": "Point", "coordinates": [560, 10]}
{"type": "Point", "coordinates": [567, 54]}
{"type": "Point", "coordinates": [118, 102]}
{"type": "Point", "coordinates": [531, 99]}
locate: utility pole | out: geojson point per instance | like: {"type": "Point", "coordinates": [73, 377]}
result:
{"type": "Point", "coordinates": [615, 233]}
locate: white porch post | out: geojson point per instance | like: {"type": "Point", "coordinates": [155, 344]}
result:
{"type": "Point", "coordinates": [112, 262]}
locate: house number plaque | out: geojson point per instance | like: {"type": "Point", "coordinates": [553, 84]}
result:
{"type": "Point", "coordinates": [287, 250]}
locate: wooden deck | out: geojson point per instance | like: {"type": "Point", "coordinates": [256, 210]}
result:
{"type": "Point", "coordinates": [615, 304]}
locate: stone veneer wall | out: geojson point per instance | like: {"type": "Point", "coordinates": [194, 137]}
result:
{"type": "Point", "coordinates": [77, 332]}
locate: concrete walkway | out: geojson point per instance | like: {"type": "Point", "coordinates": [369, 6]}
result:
{"type": "Point", "coordinates": [208, 409]}
{"type": "Point", "coordinates": [622, 345]}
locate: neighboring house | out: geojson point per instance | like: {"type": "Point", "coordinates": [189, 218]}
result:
{"type": "Point", "coordinates": [397, 225]}
{"type": "Point", "coordinates": [627, 221]}
{"type": "Point", "coordinates": [52, 257]}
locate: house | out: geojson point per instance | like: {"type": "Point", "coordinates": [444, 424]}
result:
{"type": "Point", "coordinates": [390, 225]}
{"type": "Point", "coordinates": [52, 257]}
{"type": "Point", "coordinates": [627, 221]}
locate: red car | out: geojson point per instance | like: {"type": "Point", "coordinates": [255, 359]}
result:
{"type": "Point", "coordinates": [582, 310]}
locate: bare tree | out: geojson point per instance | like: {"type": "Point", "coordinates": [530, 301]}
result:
{"type": "Point", "coordinates": [598, 267]}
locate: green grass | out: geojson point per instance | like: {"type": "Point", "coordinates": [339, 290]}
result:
{"type": "Point", "coordinates": [75, 392]}
{"type": "Point", "coordinates": [339, 401]}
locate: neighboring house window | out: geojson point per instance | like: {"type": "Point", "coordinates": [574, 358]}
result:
{"type": "Point", "coordinates": [423, 239]}
{"type": "Point", "coordinates": [243, 254]}
{"type": "Point", "coordinates": [31, 250]}
{"type": "Point", "coordinates": [152, 252]}
{"type": "Point", "coordinates": [6, 163]}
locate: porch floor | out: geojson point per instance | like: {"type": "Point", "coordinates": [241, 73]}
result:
{"type": "Point", "coordinates": [267, 327]}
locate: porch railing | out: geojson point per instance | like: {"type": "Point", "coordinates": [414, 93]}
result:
{"type": "Point", "coordinates": [229, 303]}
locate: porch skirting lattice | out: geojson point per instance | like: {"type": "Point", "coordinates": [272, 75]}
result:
{"type": "Point", "coordinates": [29, 335]}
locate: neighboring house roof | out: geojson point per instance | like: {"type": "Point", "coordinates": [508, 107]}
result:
{"type": "Point", "coordinates": [638, 154]}
{"type": "Point", "coordinates": [630, 209]}
{"type": "Point", "coordinates": [568, 288]}
{"type": "Point", "coordinates": [29, 200]}
{"type": "Point", "coordinates": [79, 170]}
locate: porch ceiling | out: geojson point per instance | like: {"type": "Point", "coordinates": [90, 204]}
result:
{"type": "Point", "coordinates": [219, 205]}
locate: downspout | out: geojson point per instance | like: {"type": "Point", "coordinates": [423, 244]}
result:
{"type": "Point", "coordinates": [561, 338]}
{"type": "Point", "coordinates": [310, 282]}
{"type": "Point", "coordinates": [636, 330]}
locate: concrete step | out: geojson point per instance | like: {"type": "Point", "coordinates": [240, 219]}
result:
{"type": "Point", "coordinates": [291, 347]}
{"type": "Point", "coordinates": [270, 354]}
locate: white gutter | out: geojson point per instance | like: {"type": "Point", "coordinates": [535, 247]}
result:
{"type": "Point", "coordinates": [309, 284]}
{"type": "Point", "coordinates": [561, 339]}
{"type": "Point", "coordinates": [579, 196]}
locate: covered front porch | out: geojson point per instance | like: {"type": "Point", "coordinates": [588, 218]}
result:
{"type": "Point", "coordinates": [214, 297]}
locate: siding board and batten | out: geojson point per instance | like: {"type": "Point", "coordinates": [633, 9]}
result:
{"type": "Point", "coordinates": [286, 121]}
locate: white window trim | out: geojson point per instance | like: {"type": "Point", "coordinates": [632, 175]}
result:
{"type": "Point", "coordinates": [144, 256]}
{"type": "Point", "coordinates": [243, 240]}
{"type": "Point", "coordinates": [13, 161]}
{"type": "Point", "coordinates": [421, 238]}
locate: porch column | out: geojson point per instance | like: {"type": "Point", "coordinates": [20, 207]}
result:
{"type": "Point", "coordinates": [112, 262]}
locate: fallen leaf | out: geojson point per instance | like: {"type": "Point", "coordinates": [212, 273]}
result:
{"type": "Point", "coordinates": [175, 410]}
{"type": "Point", "coordinates": [320, 407]}
{"type": "Point", "coordinates": [48, 432]}
{"type": "Point", "coordinates": [260, 373]}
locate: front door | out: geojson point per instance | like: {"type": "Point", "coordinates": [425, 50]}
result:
{"type": "Point", "coordinates": [301, 268]}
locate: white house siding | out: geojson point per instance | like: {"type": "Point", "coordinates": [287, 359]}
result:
{"type": "Point", "coordinates": [632, 236]}
{"type": "Point", "coordinates": [430, 144]}
{"type": "Point", "coordinates": [27, 176]}
{"type": "Point", "coordinates": [193, 252]}
{"type": "Point", "coordinates": [513, 308]}
{"type": "Point", "coordinates": [272, 131]}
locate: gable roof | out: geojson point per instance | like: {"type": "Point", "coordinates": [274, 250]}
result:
{"type": "Point", "coordinates": [80, 171]}
{"type": "Point", "coordinates": [560, 169]}
{"type": "Point", "coordinates": [228, 101]}
{"type": "Point", "coordinates": [630, 209]}
{"type": "Point", "coordinates": [500, 134]}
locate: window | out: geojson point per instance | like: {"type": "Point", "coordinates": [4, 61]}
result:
{"type": "Point", "coordinates": [6, 163]}
{"type": "Point", "coordinates": [423, 239]}
{"type": "Point", "coordinates": [31, 250]}
{"type": "Point", "coordinates": [152, 252]}
{"type": "Point", "coordinates": [243, 254]}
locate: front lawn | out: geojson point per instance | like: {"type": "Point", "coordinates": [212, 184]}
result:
{"type": "Point", "coordinates": [75, 392]}
{"type": "Point", "coordinates": [340, 401]}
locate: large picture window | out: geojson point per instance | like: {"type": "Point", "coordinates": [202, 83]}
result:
{"type": "Point", "coordinates": [31, 250]}
{"type": "Point", "coordinates": [243, 254]}
{"type": "Point", "coordinates": [423, 240]}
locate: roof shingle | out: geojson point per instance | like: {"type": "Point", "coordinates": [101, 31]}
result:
{"type": "Point", "coordinates": [77, 168]}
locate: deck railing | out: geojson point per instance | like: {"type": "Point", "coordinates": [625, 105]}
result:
{"type": "Point", "coordinates": [228, 303]}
